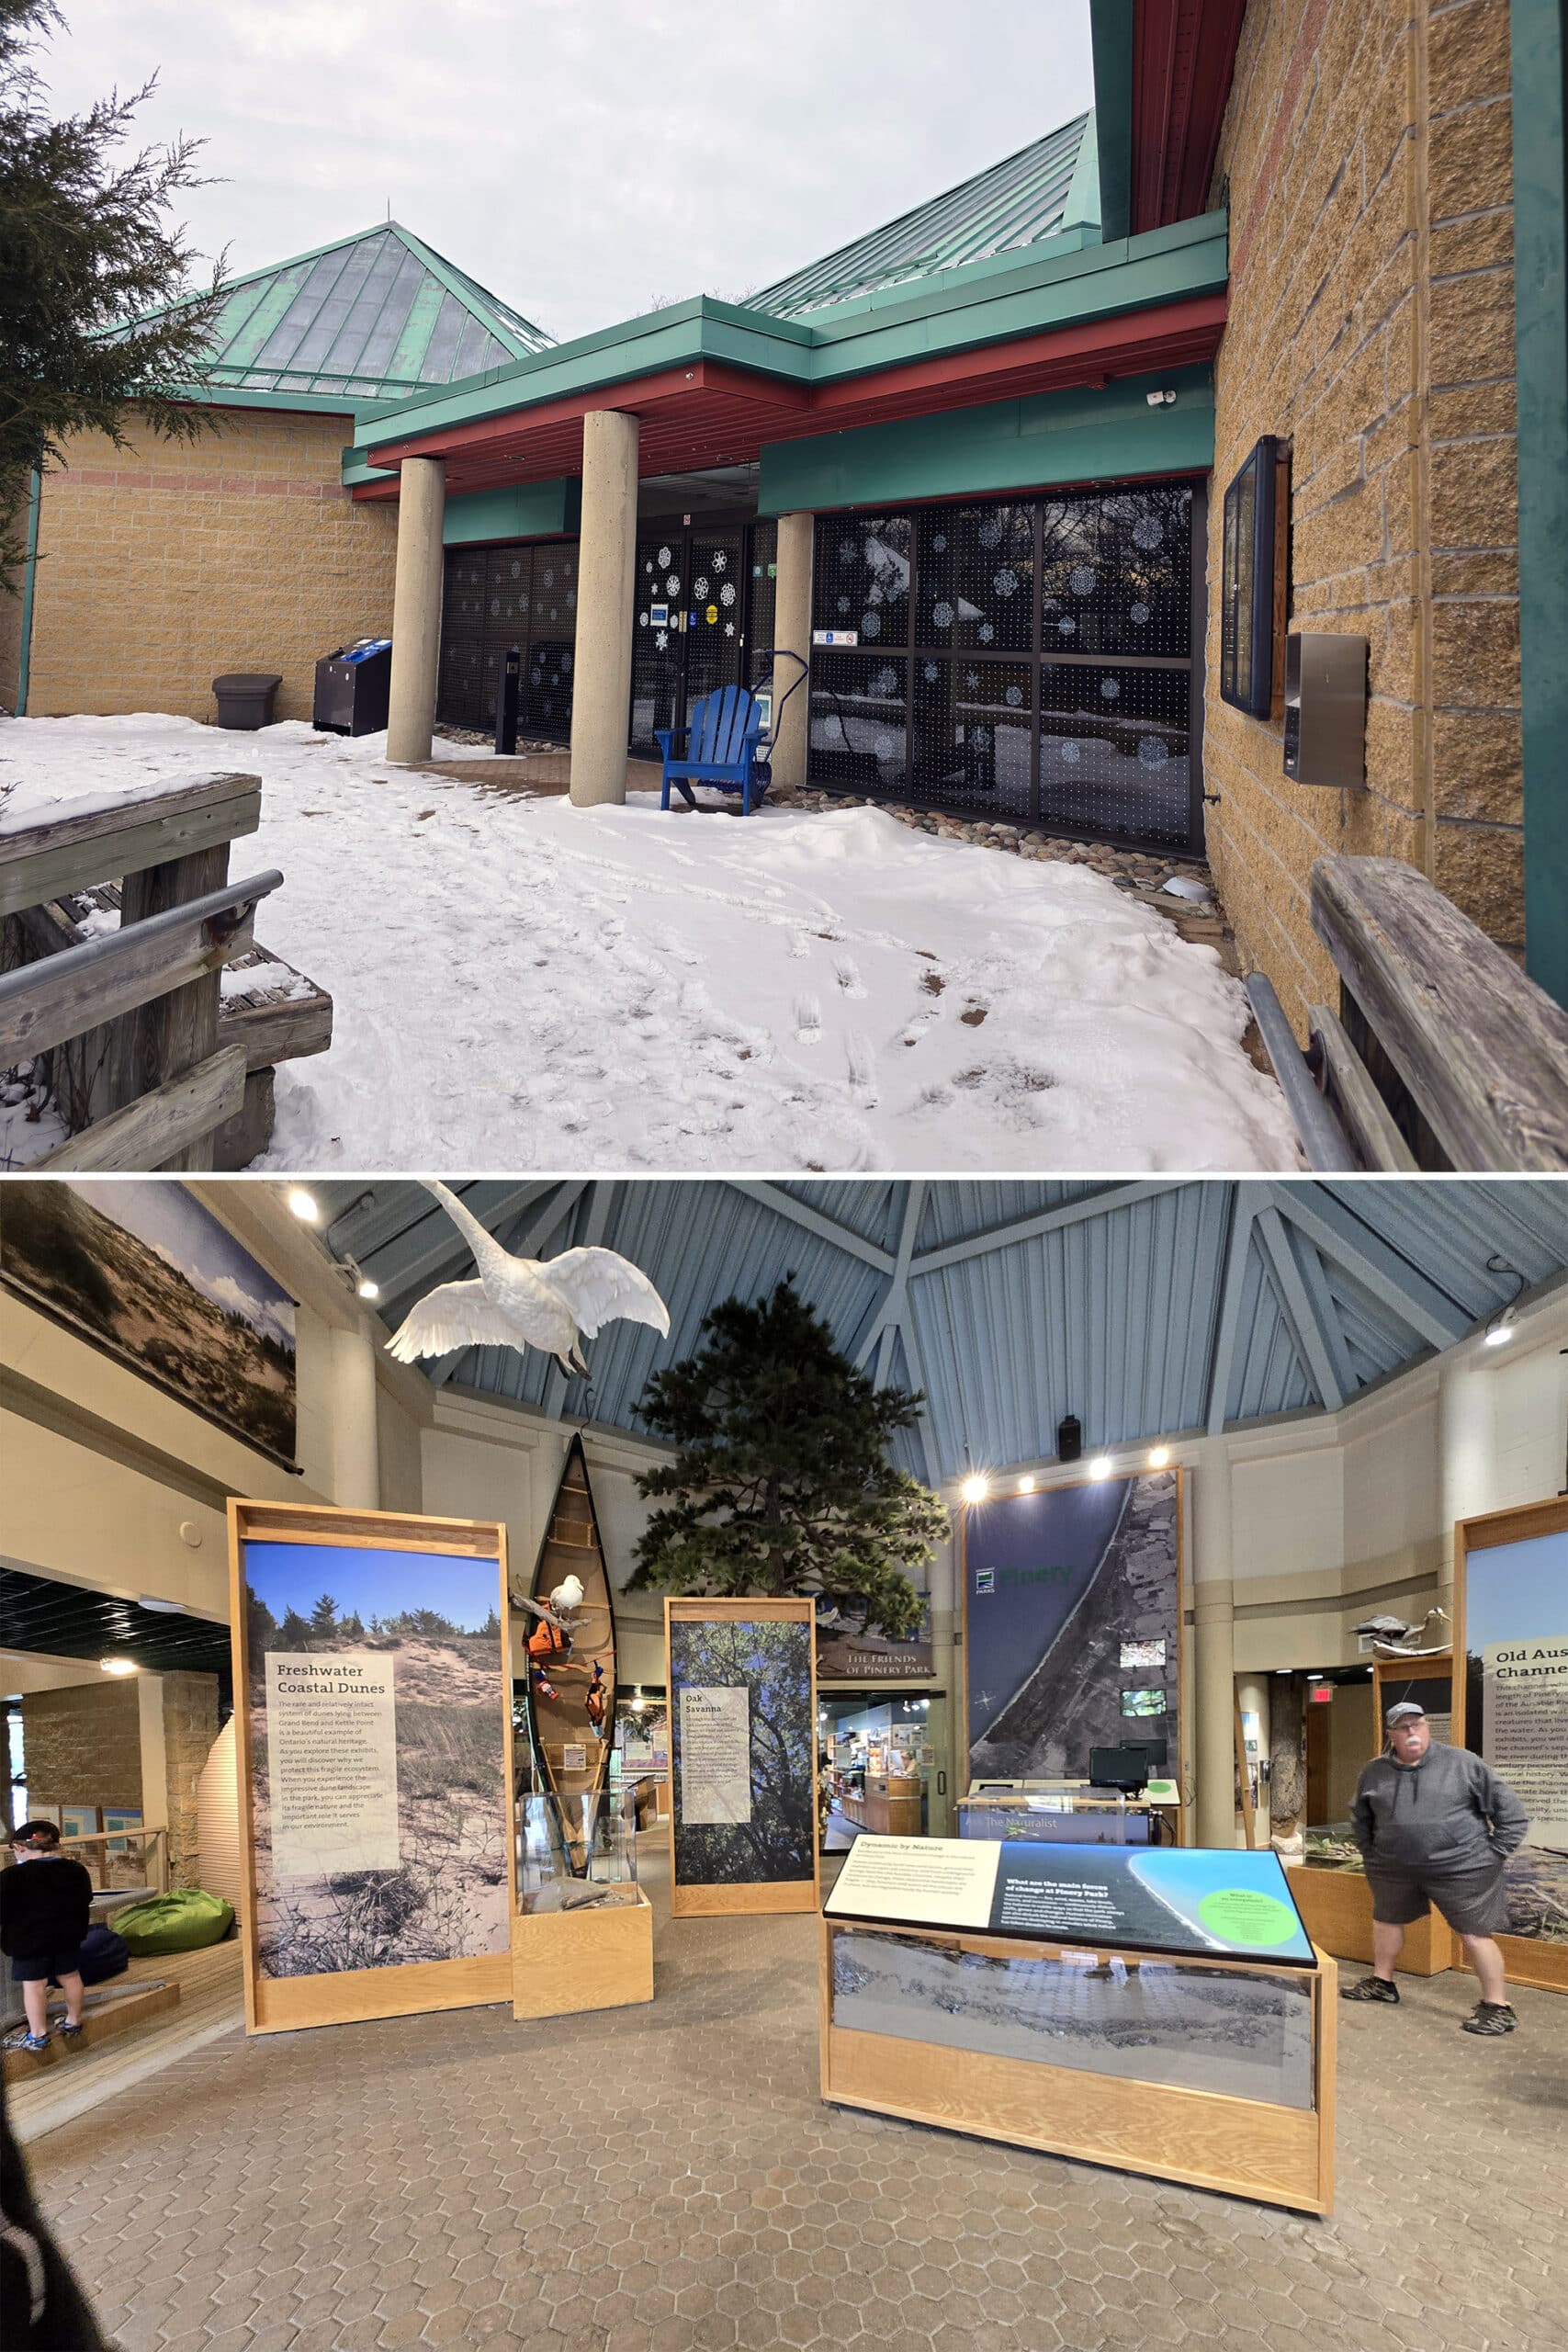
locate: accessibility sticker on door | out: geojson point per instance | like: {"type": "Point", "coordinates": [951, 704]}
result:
{"type": "Point", "coordinates": [835, 636]}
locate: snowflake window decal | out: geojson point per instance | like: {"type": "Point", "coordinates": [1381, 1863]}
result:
{"type": "Point", "coordinates": [1068, 626]}
{"type": "Point", "coordinates": [843, 605]}
{"type": "Point", "coordinates": [720, 559]}
{"type": "Point", "coordinates": [971, 679]}
{"type": "Point", "coordinates": [642, 620]}
{"type": "Point", "coordinates": [1015, 696]}
{"type": "Point", "coordinates": [871, 624]}
{"type": "Point", "coordinates": [1071, 754]}
{"type": "Point", "coordinates": [991, 534]}
{"type": "Point", "coordinates": [727, 593]}
{"type": "Point", "coordinates": [980, 738]}
{"type": "Point", "coordinates": [1138, 615]}
{"type": "Point", "coordinates": [1080, 580]}
{"type": "Point", "coordinates": [939, 543]}
{"type": "Point", "coordinates": [661, 640]}
{"type": "Point", "coordinates": [847, 551]}
{"type": "Point", "coordinates": [1006, 583]}
{"type": "Point", "coordinates": [648, 565]}
{"type": "Point", "coordinates": [986, 632]}
{"type": "Point", "coordinates": [886, 682]}
{"type": "Point", "coordinates": [674, 583]}
{"type": "Point", "coordinates": [833, 728]}
{"type": "Point", "coordinates": [1111, 689]}
{"type": "Point", "coordinates": [549, 580]}
{"type": "Point", "coordinates": [884, 747]}
{"type": "Point", "coordinates": [942, 614]}
{"type": "Point", "coordinates": [517, 572]}
{"type": "Point", "coordinates": [535, 677]}
{"type": "Point", "coordinates": [1152, 752]}
{"type": "Point", "coordinates": [729, 628]}
{"type": "Point", "coordinates": [700, 588]}
{"type": "Point", "coordinates": [494, 606]}
{"type": "Point", "coordinates": [663, 557]}
{"type": "Point", "coordinates": [566, 664]}
{"type": "Point", "coordinates": [570, 598]}
{"type": "Point", "coordinates": [931, 673]}
{"type": "Point", "coordinates": [1148, 531]}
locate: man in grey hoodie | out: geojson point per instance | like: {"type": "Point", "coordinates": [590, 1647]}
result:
{"type": "Point", "coordinates": [1436, 1825]}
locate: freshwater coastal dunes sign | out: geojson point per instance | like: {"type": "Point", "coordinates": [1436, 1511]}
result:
{"type": "Point", "coordinates": [1164, 1899]}
{"type": "Point", "coordinates": [1072, 1625]}
{"type": "Point", "coordinates": [742, 1720]}
{"type": "Point", "coordinates": [376, 1735]}
{"type": "Point", "coordinates": [1516, 1713]}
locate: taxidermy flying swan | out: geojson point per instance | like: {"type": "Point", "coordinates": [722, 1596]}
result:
{"type": "Point", "coordinates": [525, 1302]}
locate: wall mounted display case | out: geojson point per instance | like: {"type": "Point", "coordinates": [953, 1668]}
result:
{"type": "Point", "coordinates": [1160, 2011]}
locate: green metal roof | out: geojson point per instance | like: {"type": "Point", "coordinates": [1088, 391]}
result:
{"type": "Point", "coordinates": [376, 317]}
{"type": "Point", "coordinates": [1049, 187]}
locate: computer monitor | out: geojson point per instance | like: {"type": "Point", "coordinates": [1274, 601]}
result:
{"type": "Point", "coordinates": [1154, 1749]}
{"type": "Point", "coordinates": [1126, 1769]}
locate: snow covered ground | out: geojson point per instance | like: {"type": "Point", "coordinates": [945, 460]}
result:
{"type": "Point", "coordinates": [522, 984]}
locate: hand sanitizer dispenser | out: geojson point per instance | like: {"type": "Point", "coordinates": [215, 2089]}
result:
{"type": "Point", "coordinates": [1325, 707]}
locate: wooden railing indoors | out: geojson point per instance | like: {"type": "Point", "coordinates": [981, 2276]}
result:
{"type": "Point", "coordinates": [119, 1859]}
{"type": "Point", "coordinates": [1442, 1054]}
{"type": "Point", "coordinates": [117, 925]}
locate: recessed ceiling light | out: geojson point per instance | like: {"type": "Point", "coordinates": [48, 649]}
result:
{"type": "Point", "coordinates": [1101, 1467]}
{"type": "Point", "coordinates": [1026, 1486]}
{"type": "Point", "coordinates": [302, 1205]}
{"type": "Point", "coordinates": [117, 1665]}
{"type": "Point", "coordinates": [1158, 1456]}
{"type": "Point", "coordinates": [368, 1289]}
{"type": "Point", "coordinates": [974, 1490]}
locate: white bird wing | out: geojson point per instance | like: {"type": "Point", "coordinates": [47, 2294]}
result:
{"type": "Point", "coordinates": [599, 1285]}
{"type": "Point", "coordinates": [455, 1315]}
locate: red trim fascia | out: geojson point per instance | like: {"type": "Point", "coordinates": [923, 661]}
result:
{"type": "Point", "coordinates": [1183, 58]}
{"type": "Point", "coordinates": [638, 393]}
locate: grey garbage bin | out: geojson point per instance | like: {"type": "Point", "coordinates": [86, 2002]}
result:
{"type": "Point", "coordinates": [245, 697]}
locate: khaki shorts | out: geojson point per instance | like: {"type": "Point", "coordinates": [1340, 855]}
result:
{"type": "Point", "coordinates": [1471, 1901]}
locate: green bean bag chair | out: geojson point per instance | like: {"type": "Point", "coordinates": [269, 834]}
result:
{"type": "Point", "coordinates": [183, 1920]}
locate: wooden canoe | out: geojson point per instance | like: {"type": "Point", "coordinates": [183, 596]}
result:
{"type": "Point", "coordinates": [560, 1728]}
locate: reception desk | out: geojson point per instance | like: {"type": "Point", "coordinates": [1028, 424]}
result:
{"type": "Point", "coordinates": [889, 1806]}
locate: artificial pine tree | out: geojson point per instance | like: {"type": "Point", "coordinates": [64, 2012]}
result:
{"type": "Point", "coordinates": [781, 1478]}
{"type": "Point", "coordinates": [85, 244]}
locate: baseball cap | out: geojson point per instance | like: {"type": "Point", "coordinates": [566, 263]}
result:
{"type": "Point", "coordinates": [1406, 1708]}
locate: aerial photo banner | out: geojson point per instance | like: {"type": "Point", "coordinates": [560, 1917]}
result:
{"type": "Point", "coordinates": [371, 1680]}
{"type": "Point", "coordinates": [1072, 1601]}
{"type": "Point", "coordinates": [743, 1723]}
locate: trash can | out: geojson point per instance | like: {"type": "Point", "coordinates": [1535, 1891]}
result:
{"type": "Point", "coordinates": [354, 686]}
{"type": "Point", "coordinates": [245, 697]}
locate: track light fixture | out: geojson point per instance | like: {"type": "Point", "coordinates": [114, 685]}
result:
{"type": "Point", "coordinates": [1500, 1328]}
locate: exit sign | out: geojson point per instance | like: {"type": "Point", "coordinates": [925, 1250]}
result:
{"type": "Point", "coordinates": [1321, 1694]}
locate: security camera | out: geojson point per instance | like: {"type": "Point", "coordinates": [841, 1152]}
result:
{"type": "Point", "coordinates": [1161, 400]}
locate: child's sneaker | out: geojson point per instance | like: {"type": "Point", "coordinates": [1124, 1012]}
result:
{"type": "Point", "coordinates": [33, 2041]}
{"type": "Point", "coordinates": [71, 2033]}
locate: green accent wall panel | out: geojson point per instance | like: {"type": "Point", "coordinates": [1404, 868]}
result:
{"type": "Point", "coordinates": [1075, 435]}
{"type": "Point", "coordinates": [533, 510]}
{"type": "Point", "coordinates": [1541, 263]}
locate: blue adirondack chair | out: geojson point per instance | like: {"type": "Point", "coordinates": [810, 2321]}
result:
{"type": "Point", "coordinates": [721, 748]}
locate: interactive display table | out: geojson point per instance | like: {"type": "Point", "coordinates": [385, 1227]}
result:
{"type": "Point", "coordinates": [1067, 1816]}
{"type": "Point", "coordinates": [1160, 2009]}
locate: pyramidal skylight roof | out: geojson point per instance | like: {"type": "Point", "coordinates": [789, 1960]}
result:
{"type": "Point", "coordinates": [1049, 186]}
{"type": "Point", "coordinates": [375, 317]}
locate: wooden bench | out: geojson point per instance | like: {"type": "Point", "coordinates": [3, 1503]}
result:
{"type": "Point", "coordinates": [160, 1054]}
{"type": "Point", "coordinates": [1442, 1054]}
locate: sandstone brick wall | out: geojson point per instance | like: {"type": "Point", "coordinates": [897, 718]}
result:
{"type": "Point", "coordinates": [1367, 149]}
{"type": "Point", "coordinates": [84, 1744]}
{"type": "Point", "coordinates": [163, 564]}
{"type": "Point", "coordinates": [190, 1727]}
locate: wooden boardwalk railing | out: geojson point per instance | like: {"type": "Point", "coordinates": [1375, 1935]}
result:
{"type": "Point", "coordinates": [148, 1069]}
{"type": "Point", "coordinates": [1441, 1055]}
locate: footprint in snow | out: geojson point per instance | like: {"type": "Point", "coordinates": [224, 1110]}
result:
{"type": "Point", "coordinates": [807, 1021]}
{"type": "Point", "coordinates": [799, 943]}
{"type": "Point", "coordinates": [847, 974]}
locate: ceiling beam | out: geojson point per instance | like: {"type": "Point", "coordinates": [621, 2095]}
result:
{"type": "Point", "coordinates": [1227, 1321]}
{"type": "Point", "coordinates": [1326, 1308]}
{"type": "Point", "coordinates": [1392, 1281]}
{"type": "Point", "coordinates": [893, 1312]}
{"type": "Point", "coordinates": [1026, 1228]}
{"type": "Point", "coordinates": [785, 1204]}
{"type": "Point", "coordinates": [427, 1259]}
{"type": "Point", "coordinates": [1310, 1342]}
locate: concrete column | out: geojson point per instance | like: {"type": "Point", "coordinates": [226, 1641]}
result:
{"type": "Point", "coordinates": [791, 630]}
{"type": "Point", "coordinates": [357, 1469]}
{"type": "Point", "coordinates": [1214, 1640]}
{"type": "Point", "coordinates": [606, 573]}
{"type": "Point", "coordinates": [1252, 1697]}
{"type": "Point", "coordinates": [416, 608]}
{"type": "Point", "coordinates": [154, 1754]}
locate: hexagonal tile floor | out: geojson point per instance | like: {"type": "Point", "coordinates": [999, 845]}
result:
{"type": "Point", "coordinates": [666, 2179]}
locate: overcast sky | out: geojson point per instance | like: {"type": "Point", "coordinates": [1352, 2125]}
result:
{"type": "Point", "coordinates": [580, 157]}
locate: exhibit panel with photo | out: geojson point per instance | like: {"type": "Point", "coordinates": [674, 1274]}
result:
{"type": "Point", "coordinates": [145, 1273]}
{"type": "Point", "coordinates": [742, 1722]}
{"type": "Point", "coordinates": [1514, 1612]}
{"type": "Point", "coordinates": [375, 1693]}
{"type": "Point", "coordinates": [1072, 1616]}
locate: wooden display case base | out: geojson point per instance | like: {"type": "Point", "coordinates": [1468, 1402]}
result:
{"type": "Point", "coordinates": [1336, 1910]}
{"type": "Point", "coordinates": [600, 1958]}
{"type": "Point", "coordinates": [360, 1995]}
{"type": "Point", "coordinates": [718, 1902]}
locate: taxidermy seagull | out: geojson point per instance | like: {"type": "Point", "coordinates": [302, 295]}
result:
{"type": "Point", "coordinates": [525, 1302]}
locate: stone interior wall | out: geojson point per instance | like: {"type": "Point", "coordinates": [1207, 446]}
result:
{"type": "Point", "coordinates": [1367, 149]}
{"type": "Point", "coordinates": [84, 1744]}
{"type": "Point", "coordinates": [163, 564]}
{"type": "Point", "coordinates": [190, 1727]}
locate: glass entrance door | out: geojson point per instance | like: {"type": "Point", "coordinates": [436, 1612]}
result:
{"type": "Point", "coordinates": [688, 632]}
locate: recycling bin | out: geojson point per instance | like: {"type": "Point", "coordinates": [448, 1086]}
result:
{"type": "Point", "coordinates": [245, 697]}
{"type": "Point", "coordinates": [354, 686]}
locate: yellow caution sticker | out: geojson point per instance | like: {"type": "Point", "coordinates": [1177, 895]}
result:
{"type": "Point", "coordinates": [713, 615]}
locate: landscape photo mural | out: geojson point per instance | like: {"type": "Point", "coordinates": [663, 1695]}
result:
{"type": "Point", "coordinates": [1073, 1615]}
{"type": "Point", "coordinates": [1515, 1712]}
{"type": "Point", "coordinates": [743, 1746]}
{"type": "Point", "coordinates": [146, 1274]}
{"type": "Point", "coordinates": [376, 1691]}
